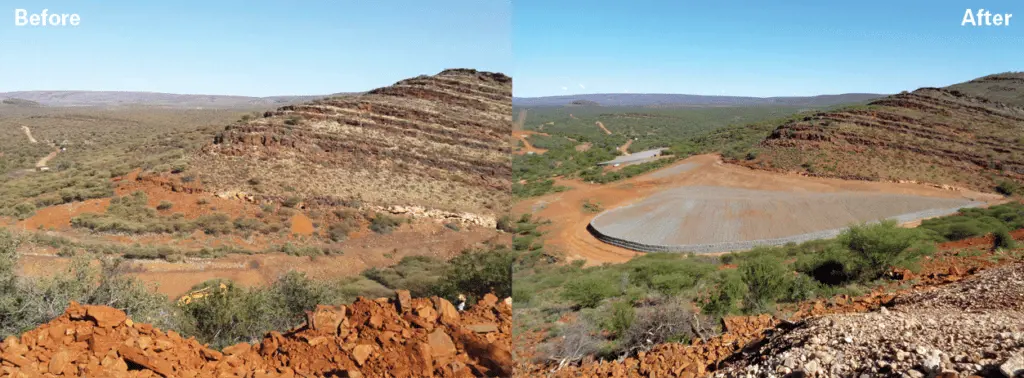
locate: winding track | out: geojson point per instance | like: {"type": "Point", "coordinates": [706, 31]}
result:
{"type": "Point", "coordinates": [28, 133]}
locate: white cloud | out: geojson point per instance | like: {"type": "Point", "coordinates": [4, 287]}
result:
{"type": "Point", "coordinates": [565, 89]}
{"type": "Point", "coordinates": [582, 86]}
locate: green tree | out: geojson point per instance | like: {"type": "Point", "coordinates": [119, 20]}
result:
{"type": "Point", "coordinates": [881, 246]}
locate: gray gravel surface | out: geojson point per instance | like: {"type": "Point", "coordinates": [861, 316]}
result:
{"type": "Point", "coordinates": [975, 326]}
{"type": "Point", "coordinates": [705, 219]}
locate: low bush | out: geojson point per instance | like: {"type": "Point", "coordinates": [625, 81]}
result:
{"type": "Point", "coordinates": [671, 321]}
{"type": "Point", "coordinates": [767, 280]}
{"type": "Point", "coordinates": [1009, 188]}
{"type": "Point", "coordinates": [1003, 239]}
{"type": "Point", "coordinates": [418, 274]}
{"type": "Point", "coordinates": [164, 205]}
{"type": "Point", "coordinates": [588, 291]}
{"type": "Point", "coordinates": [384, 224]}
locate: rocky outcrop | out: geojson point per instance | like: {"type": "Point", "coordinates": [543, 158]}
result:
{"type": "Point", "coordinates": [434, 141]}
{"type": "Point", "coordinates": [942, 136]}
{"type": "Point", "coordinates": [401, 337]}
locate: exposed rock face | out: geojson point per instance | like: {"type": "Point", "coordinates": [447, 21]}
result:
{"type": "Point", "coordinates": [953, 136]}
{"type": "Point", "coordinates": [433, 141]}
{"type": "Point", "coordinates": [369, 338]}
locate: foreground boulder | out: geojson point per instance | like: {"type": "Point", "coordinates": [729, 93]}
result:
{"type": "Point", "coordinates": [369, 338]}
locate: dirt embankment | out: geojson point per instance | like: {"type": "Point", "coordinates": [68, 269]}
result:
{"type": "Point", "coordinates": [399, 337]}
{"type": "Point", "coordinates": [568, 230]}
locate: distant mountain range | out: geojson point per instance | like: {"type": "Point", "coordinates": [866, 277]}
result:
{"type": "Point", "coordinates": [660, 99]}
{"type": "Point", "coordinates": [170, 100]}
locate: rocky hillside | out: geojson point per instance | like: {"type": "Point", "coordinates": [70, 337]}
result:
{"type": "Point", "coordinates": [967, 135]}
{"type": "Point", "coordinates": [154, 99]}
{"type": "Point", "coordinates": [400, 337]}
{"type": "Point", "coordinates": [968, 328]}
{"type": "Point", "coordinates": [437, 141]}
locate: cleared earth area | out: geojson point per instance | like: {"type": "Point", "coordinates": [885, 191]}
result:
{"type": "Point", "coordinates": [718, 219]}
{"type": "Point", "coordinates": [811, 204]}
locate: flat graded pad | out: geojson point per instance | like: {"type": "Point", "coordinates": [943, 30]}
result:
{"type": "Point", "coordinates": [718, 219]}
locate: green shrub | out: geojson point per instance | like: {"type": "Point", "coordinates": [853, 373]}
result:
{"type": "Point", "coordinates": [478, 272]}
{"type": "Point", "coordinates": [588, 291]}
{"type": "Point", "coordinates": [879, 247]}
{"type": "Point", "coordinates": [214, 224]}
{"type": "Point", "coordinates": [248, 224]}
{"type": "Point", "coordinates": [767, 279]}
{"type": "Point", "coordinates": [164, 205]}
{"type": "Point", "coordinates": [725, 294]}
{"type": "Point", "coordinates": [521, 296]}
{"type": "Point", "coordinates": [505, 224]}
{"type": "Point", "coordinates": [384, 224]}
{"type": "Point", "coordinates": [834, 266]}
{"type": "Point", "coordinates": [1003, 239]}
{"type": "Point", "coordinates": [24, 210]}
{"type": "Point", "coordinates": [621, 318]}
{"type": "Point", "coordinates": [338, 231]}
{"type": "Point", "coordinates": [1007, 187]}
{"type": "Point", "coordinates": [418, 274]}
{"type": "Point", "coordinates": [291, 202]}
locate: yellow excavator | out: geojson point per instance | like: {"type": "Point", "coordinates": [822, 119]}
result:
{"type": "Point", "coordinates": [196, 294]}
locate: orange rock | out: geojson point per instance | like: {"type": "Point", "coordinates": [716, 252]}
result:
{"type": "Point", "coordinates": [442, 348]}
{"type": "Point", "coordinates": [404, 300]}
{"type": "Point", "coordinates": [449, 315]}
{"type": "Point", "coordinates": [362, 352]}
{"type": "Point", "coordinates": [106, 317]}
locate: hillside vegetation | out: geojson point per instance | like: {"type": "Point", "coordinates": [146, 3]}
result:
{"type": "Point", "coordinates": [434, 141]}
{"type": "Point", "coordinates": [623, 309]}
{"type": "Point", "coordinates": [100, 144]}
{"type": "Point", "coordinates": [575, 143]}
{"type": "Point", "coordinates": [967, 135]}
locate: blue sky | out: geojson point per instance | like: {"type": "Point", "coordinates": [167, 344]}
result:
{"type": "Point", "coordinates": [255, 48]}
{"type": "Point", "coordinates": [756, 48]}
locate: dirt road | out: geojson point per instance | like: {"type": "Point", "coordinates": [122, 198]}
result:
{"type": "Point", "coordinates": [568, 229]}
{"type": "Point", "coordinates": [28, 133]}
{"type": "Point", "coordinates": [527, 147]}
{"type": "Point", "coordinates": [601, 125]}
{"type": "Point", "coordinates": [46, 159]}
{"type": "Point", "coordinates": [625, 147]}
